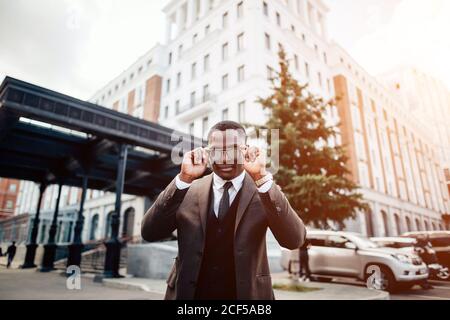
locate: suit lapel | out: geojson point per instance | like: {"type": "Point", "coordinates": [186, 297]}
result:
{"type": "Point", "coordinates": [204, 188]}
{"type": "Point", "coordinates": [247, 192]}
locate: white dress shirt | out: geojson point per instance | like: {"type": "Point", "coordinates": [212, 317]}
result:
{"type": "Point", "coordinates": [218, 184]}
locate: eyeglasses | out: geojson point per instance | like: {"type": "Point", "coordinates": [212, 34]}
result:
{"type": "Point", "coordinates": [220, 154]}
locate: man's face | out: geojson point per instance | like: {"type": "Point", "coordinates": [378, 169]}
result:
{"type": "Point", "coordinates": [227, 153]}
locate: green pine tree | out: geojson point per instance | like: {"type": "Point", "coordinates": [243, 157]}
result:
{"type": "Point", "coordinates": [312, 174]}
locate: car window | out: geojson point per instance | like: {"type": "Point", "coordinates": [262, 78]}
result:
{"type": "Point", "coordinates": [318, 241]}
{"type": "Point", "coordinates": [336, 242]}
{"type": "Point", "coordinates": [440, 242]}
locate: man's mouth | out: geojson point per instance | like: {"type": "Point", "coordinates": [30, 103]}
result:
{"type": "Point", "coordinates": [225, 168]}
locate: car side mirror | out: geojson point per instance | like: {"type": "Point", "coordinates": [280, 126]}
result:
{"type": "Point", "coordinates": [350, 245]}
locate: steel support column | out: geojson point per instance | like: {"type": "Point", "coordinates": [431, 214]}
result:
{"type": "Point", "coordinates": [76, 248]}
{"type": "Point", "coordinates": [113, 245]}
{"type": "Point", "coordinates": [50, 247]}
{"type": "Point", "coordinates": [32, 245]}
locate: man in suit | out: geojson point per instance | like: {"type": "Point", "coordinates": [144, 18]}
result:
{"type": "Point", "coordinates": [221, 220]}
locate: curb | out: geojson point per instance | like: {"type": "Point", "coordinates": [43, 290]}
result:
{"type": "Point", "coordinates": [335, 292]}
{"type": "Point", "coordinates": [121, 284]}
{"type": "Point", "coordinates": [288, 295]}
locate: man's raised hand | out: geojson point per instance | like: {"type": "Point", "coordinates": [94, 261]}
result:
{"type": "Point", "coordinates": [194, 165]}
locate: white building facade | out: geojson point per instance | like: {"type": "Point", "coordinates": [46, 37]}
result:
{"type": "Point", "coordinates": [217, 60]}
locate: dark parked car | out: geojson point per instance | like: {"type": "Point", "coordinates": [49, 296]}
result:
{"type": "Point", "coordinates": [440, 240]}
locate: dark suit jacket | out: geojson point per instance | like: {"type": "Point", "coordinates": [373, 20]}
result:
{"type": "Point", "coordinates": [187, 212]}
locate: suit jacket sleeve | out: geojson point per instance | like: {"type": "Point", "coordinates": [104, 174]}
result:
{"type": "Point", "coordinates": [285, 224]}
{"type": "Point", "coordinates": [160, 220]}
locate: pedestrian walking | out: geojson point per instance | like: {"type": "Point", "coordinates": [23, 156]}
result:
{"type": "Point", "coordinates": [11, 252]}
{"type": "Point", "coordinates": [304, 272]}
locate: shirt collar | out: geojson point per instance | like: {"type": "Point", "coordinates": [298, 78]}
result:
{"type": "Point", "coordinates": [237, 182]}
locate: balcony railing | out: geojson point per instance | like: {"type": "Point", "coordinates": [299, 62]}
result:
{"type": "Point", "coordinates": [196, 103]}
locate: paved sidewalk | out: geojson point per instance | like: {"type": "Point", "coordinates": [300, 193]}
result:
{"type": "Point", "coordinates": [18, 284]}
{"type": "Point", "coordinates": [327, 291]}
{"type": "Point", "coordinates": [32, 284]}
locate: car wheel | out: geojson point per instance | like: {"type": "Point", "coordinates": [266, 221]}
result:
{"type": "Point", "coordinates": [387, 280]}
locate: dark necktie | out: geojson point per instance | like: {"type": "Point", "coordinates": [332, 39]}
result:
{"type": "Point", "coordinates": [224, 205]}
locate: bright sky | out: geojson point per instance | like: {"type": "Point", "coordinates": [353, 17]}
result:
{"type": "Point", "coordinates": [77, 46]}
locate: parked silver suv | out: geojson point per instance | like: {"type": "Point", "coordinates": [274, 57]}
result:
{"type": "Point", "coordinates": [347, 254]}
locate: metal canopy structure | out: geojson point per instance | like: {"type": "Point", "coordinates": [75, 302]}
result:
{"type": "Point", "coordinates": [48, 155]}
{"type": "Point", "coordinates": [51, 138]}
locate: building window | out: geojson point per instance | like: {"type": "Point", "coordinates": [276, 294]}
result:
{"type": "Point", "coordinates": [225, 20]}
{"type": "Point", "coordinates": [225, 51]}
{"type": "Point", "coordinates": [205, 93]}
{"type": "Point", "coordinates": [241, 111]}
{"type": "Point", "coordinates": [240, 9]}
{"type": "Point", "coordinates": [266, 9]}
{"type": "Point", "coordinates": [280, 47]}
{"type": "Point", "coordinates": [267, 37]}
{"type": "Point", "coordinates": [225, 82]}
{"type": "Point", "coordinates": [192, 99]}
{"type": "Point", "coordinates": [140, 96]}
{"type": "Point", "coordinates": [240, 42]}
{"type": "Point", "coordinates": [123, 105]}
{"type": "Point", "coordinates": [170, 58]}
{"type": "Point", "coordinates": [12, 187]}
{"type": "Point", "coordinates": [225, 114]}
{"type": "Point", "coordinates": [207, 28]}
{"type": "Point", "coordinates": [205, 126]}
{"type": "Point", "coordinates": [177, 107]}
{"type": "Point", "coordinates": [9, 204]}
{"type": "Point", "coordinates": [292, 28]}
{"type": "Point", "coordinates": [166, 112]}
{"type": "Point", "coordinates": [325, 58]}
{"type": "Point", "coordinates": [319, 77]}
{"type": "Point", "coordinates": [206, 63]}
{"type": "Point", "coordinates": [278, 19]}
{"type": "Point", "coordinates": [307, 69]}
{"type": "Point", "coordinates": [178, 79]}
{"type": "Point", "coordinates": [194, 38]}
{"type": "Point", "coordinates": [193, 70]}
{"type": "Point", "coordinates": [269, 73]}
{"type": "Point", "coordinates": [168, 85]}
{"type": "Point", "coordinates": [191, 128]}
{"type": "Point", "coordinates": [241, 73]}
{"type": "Point", "coordinates": [296, 62]}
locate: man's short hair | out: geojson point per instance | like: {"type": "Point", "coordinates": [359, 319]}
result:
{"type": "Point", "coordinates": [228, 125]}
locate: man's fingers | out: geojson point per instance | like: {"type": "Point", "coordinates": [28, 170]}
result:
{"type": "Point", "coordinates": [253, 154]}
{"type": "Point", "coordinates": [199, 156]}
